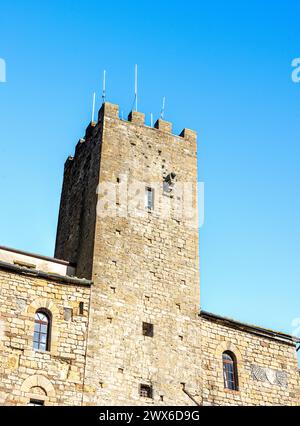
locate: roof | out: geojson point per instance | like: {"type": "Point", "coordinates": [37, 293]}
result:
{"type": "Point", "coordinates": [46, 275]}
{"type": "Point", "coordinates": [252, 329]}
{"type": "Point", "coordinates": [36, 261]}
{"type": "Point", "coordinates": [37, 256]}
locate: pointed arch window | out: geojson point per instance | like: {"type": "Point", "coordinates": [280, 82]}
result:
{"type": "Point", "coordinates": [230, 372]}
{"type": "Point", "coordinates": [42, 329]}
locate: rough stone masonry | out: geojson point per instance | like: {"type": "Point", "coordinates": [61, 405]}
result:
{"type": "Point", "coordinates": [114, 318]}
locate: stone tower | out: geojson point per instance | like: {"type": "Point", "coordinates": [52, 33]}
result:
{"type": "Point", "coordinates": [128, 221]}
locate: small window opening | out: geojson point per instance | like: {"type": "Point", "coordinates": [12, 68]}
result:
{"type": "Point", "coordinates": [81, 308]}
{"type": "Point", "coordinates": [149, 198]}
{"type": "Point", "coordinates": [148, 329]}
{"type": "Point", "coordinates": [36, 403]}
{"type": "Point", "coordinates": [146, 391]}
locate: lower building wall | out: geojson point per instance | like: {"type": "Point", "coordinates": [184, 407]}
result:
{"type": "Point", "coordinates": [267, 369]}
{"type": "Point", "coordinates": [120, 358]}
{"type": "Point", "coordinates": [185, 353]}
{"type": "Point", "coordinates": [56, 376]}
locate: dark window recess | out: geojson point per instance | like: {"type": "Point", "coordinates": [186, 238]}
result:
{"type": "Point", "coordinates": [36, 403]}
{"type": "Point", "coordinates": [81, 308]}
{"type": "Point", "coordinates": [148, 329]}
{"type": "Point", "coordinates": [230, 371]}
{"type": "Point", "coordinates": [41, 336]}
{"type": "Point", "coordinates": [146, 391]}
{"type": "Point", "coordinates": [149, 198]}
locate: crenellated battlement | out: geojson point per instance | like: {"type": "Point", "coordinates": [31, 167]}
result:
{"type": "Point", "coordinates": [111, 111]}
{"type": "Point", "coordinates": [135, 117]}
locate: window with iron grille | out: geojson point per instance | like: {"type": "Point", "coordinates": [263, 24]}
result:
{"type": "Point", "coordinates": [146, 391]}
{"type": "Point", "coordinates": [230, 371]}
{"type": "Point", "coordinates": [148, 329]}
{"type": "Point", "coordinates": [41, 337]}
{"type": "Point", "coordinates": [149, 198]}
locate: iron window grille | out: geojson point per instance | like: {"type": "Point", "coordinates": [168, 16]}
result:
{"type": "Point", "coordinates": [146, 391]}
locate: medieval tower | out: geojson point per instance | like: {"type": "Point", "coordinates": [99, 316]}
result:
{"type": "Point", "coordinates": [142, 259]}
{"type": "Point", "coordinates": [114, 318]}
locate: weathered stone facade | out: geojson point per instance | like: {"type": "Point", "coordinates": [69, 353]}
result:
{"type": "Point", "coordinates": [138, 270]}
{"type": "Point", "coordinates": [55, 377]}
{"type": "Point", "coordinates": [256, 350]}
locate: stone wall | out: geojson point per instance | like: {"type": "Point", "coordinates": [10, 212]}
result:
{"type": "Point", "coordinates": [77, 213]}
{"type": "Point", "coordinates": [267, 366]}
{"type": "Point", "coordinates": [55, 377]}
{"type": "Point", "coordinates": [145, 268]}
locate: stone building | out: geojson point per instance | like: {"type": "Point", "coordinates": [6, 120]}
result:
{"type": "Point", "coordinates": [117, 320]}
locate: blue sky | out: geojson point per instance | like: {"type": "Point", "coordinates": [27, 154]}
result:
{"type": "Point", "coordinates": [225, 69]}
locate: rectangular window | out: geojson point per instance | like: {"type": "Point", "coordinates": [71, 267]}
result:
{"type": "Point", "coordinates": [81, 308]}
{"type": "Point", "coordinates": [147, 329]}
{"type": "Point", "coordinates": [36, 403]}
{"type": "Point", "coordinates": [149, 198]}
{"type": "Point", "coordinates": [146, 391]}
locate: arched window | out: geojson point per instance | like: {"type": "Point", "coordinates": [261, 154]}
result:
{"type": "Point", "coordinates": [42, 327]}
{"type": "Point", "coordinates": [230, 371]}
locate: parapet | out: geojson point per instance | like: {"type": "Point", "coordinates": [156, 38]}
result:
{"type": "Point", "coordinates": [90, 129]}
{"type": "Point", "coordinates": [112, 111]}
{"type": "Point", "coordinates": [108, 110]}
{"type": "Point", "coordinates": [189, 134]}
{"type": "Point", "coordinates": [135, 117]}
{"type": "Point", "coordinates": [69, 161]}
{"type": "Point", "coordinates": [163, 125]}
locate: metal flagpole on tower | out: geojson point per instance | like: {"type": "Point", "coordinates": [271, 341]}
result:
{"type": "Point", "coordinates": [136, 87]}
{"type": "Point", "coordinates": [104, 87]}
{"type": "Point", "coordinates": [93, 109]}
{"type": "Point", "coordinates": [163, 108]}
